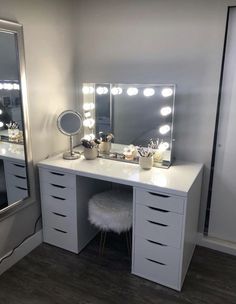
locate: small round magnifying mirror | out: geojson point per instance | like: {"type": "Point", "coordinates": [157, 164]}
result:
{"type": "Point", "coordinates": [69, 123]}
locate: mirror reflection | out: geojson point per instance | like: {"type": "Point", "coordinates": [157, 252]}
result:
{"type": "Point", "coordinates": [13, 172]}
{"type": "Point", "coordinates": [136, 114]}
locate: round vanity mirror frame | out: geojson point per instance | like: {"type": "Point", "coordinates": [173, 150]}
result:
{"type": "Point", "coordinates": [70, 155]}
{"type": "Point", "coordinates": [77, 114]}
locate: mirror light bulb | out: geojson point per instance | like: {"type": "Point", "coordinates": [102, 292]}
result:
{"type": "Point", "coordinates": [1, 112]}
{"type": "Point", "coordinates": [1, 86]}
{"type": "Point", "coordinates": [89, 123]}
{"type": "Point", "coordinates": [164, 129]}
{"type": "Point", "coordinates": [102, 90]}
{"type": "Point", "coordinates": [164, 146]}
{"type": "Point", "coordinates": [89, 137]}
{"type": "Point", "coordinates": [132, 91]}
{"type": "Point", "coordinates": [148, 92]}
{"type": "Point", "coordinates": [87, 114]}
{"type": "Point", "coordinates": [167, 92]}
{"type": "Point", "coordinates": [87, 90]}
{"type": "Point", "coordinates": [1, 124]}
{"type": "Point", "coordinates": [165, 111]}
{"type": "Point", "coordinates": [88, 106]}
{"type": "Point", "coordinates": [116, 91]}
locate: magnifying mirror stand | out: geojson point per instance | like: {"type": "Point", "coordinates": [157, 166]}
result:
{"type": "Point", "coordinates": [70, 155]}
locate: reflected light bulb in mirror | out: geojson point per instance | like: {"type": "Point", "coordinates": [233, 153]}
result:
{"type": "Point", "coordinates": [87, 90]}
{"type": "Point", "coordinates": [89, 123]}
{"type": "Point", "coordinates": [148, 92]}
{"type": "Point", "coordinates": [1, 112]}
{"type": "Point", "coordinates": [102, 90]}
{"type": "Point", "coordinates": [88, 106]}
{"type": "Point", "coordinates": [165, 111]}
{"type": "Point", "coordinates": [1, 124]}
{"type": "Point", "coordinates": [167, 92]}
{"type": "Point", "coordinates": [132, 91]}
{"type": "Point", "coordinates": [164, 129]}
{"type": "Point", "coordinates": [16, 86]}
{"type": "Point", "coordinates": [164, 146]}
{"type": "Point", "coordinates": [116, 91]}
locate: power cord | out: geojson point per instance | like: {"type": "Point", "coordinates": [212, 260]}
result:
{"type": "Point", "coordinates": [26, 238]}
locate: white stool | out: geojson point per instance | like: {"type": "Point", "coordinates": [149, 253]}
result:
{"type": "Point", "coordinates": [111, 211]}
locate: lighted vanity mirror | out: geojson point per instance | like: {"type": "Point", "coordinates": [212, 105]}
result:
{"type": "Point", "coordinates": [16, 178]}
{"type": "Point", "coordinates": [134, 114]}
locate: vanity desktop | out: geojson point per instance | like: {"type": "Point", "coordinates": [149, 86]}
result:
{"type": "Point", "coordinates": [165, 211]}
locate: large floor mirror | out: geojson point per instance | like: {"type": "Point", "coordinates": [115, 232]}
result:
{"type": "Point", "coordinates": [15, 152]}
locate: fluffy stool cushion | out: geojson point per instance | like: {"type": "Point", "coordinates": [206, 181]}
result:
{"type": "Point", "coordinates": [111, 210]}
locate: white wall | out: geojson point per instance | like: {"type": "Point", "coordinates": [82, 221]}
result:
{"type": "Point", "coordinates": [50, 78]}
{"type": "Point", "coordinates": [160, 41]}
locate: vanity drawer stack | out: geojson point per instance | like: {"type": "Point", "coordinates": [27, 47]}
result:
{"type": "Point", "coordinates": [59, 209]}
{"type": "Point", "coordinates": [158, 237]}
{"type": "Point", "coordinates": [16, 180]}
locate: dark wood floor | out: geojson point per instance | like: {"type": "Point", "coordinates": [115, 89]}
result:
{"type": "Point", "coordinates": [52, 275]}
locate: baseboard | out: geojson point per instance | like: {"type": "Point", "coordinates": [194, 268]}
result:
{"type": "Point", "coordinates": [216, 244]}
{"type": "Point", "coordinates": [22, 251]}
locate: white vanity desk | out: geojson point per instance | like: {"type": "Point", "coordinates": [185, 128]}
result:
{"type": "Point", "coordinates": [165, 211]}
{"type": "Point", "coordinates": [13, 157]}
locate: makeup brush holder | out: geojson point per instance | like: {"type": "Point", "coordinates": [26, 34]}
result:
{"type": "Point", "coordinates": [90, 153]}
{"type": "Point", "coordinates": [105, 147]}
{"type": "Point", "coordinates": [146, 163]}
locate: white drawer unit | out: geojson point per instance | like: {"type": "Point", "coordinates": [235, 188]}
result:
{"type": "Point", "coordinates": [64, 200]}
{"type": "Point", "coordinates": [164, 224]}
{"type": "Point", "coordinates": [16, 180]}
{"type": "Point", "coordinates": [59, 209]}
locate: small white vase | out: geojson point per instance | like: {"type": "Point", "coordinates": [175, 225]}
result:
{"type": "Point", "coordinates": [105, 147]}
{"type": "Point", "coordinates": [146, 163]}
{"type": "Point", "coordinates": [90, 154]}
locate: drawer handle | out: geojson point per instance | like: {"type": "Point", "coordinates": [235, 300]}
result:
{"type": "Point", "coordinates": [21, 188]}
{"type": "Point", "coordinates": [153, 261]}
{"type": "Point", "coordinates": [158, 194]}
{"type": "Point", "coordinates": [157, 209]}
{"type": "Point", "coordinates": [21, 177]}
{"type": "Point", "coordinates": [59, 230]}
{"type": "Point", "coordinates": [56, 173]}
{"type": "Point", "coordinates": [159, 224]}
{"type": "Point", "coordinates": [20, 166]}
{"type": "Point", "coordinates": [58, 186]}
{"type": "Point", "coordinates": [160, 244]}
{"type": "Point", "coordinates": [59, 198]}
{"type": "Point", "coordinates": [59, 214]}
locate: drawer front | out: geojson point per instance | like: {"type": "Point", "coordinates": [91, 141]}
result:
{"type": "Point", "coordinates": [158, 229]}
{"type": "Point", "coordinates": [57, 178]}
{"type": "Point", "coordinates": [161, 216]}
{"type": "Point", "coordinates": [159, 200]}
{"type": "Point", "coordinates": [16, 193]}
{"type": "Point", "coordinates": [60, 239]}
{"type": "Point", "coordinates": [51, 203]}
{"type": "Point", "coordinates": [60, 221]}
{"type": "Point", "coordinates": [162, 254]}
{"type": "Point", "coordinates": [160, 273]}
{"type": "Point", "coordinates": [58, 191]}
{"type": "Point", "coordinates": [17, 180]}
{"type": "Point", "coordinates": [15, 168]}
